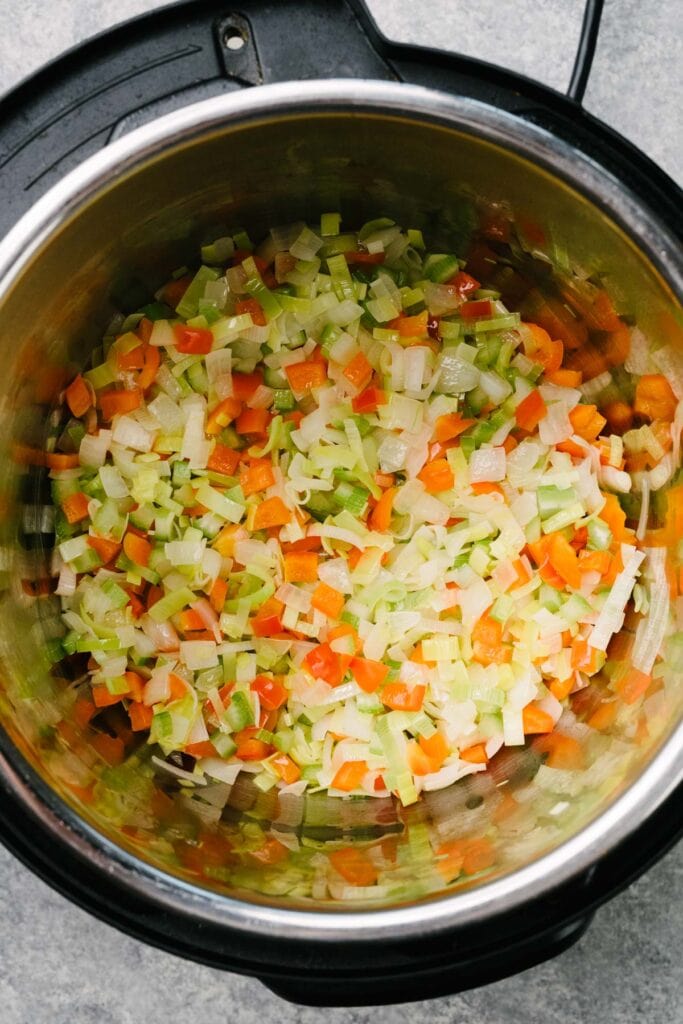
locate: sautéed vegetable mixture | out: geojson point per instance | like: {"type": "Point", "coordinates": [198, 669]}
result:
{"type": "Point", "coordinates": [352, 515]}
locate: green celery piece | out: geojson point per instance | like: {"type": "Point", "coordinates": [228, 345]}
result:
{"type": "Point", "coordinates": [497, 323]}
{"type": "Point", "coordinates": [377, 224]}
{"type": "Point", "coordinates": [274, 378]}
{"type": "Point", "coordinates": [329, 335]}
{"type": "Point", "coordinates": [157, 311]}
{"type": "Point", "coordinates": [162, 725]}
{"type": "Point", "coordinates": [188, 305]}
{"type": "Point", "coordinates": [483, 432]}
{"type": "Point", "coordinates": [467, 444]}
{"type": "Point", "coordinates": [267, 300]}
{"type": "Point", "coordinates": [330, 224]}
{"type": "Point", "coordinates": [182, 474]}
{"type": "Point", "coordinates": [341, 277]}
{"type": "Point", "coordinates": [117, 684]}
{"type": "Point", "coordinates": [224, 744]}
{"type": "Point", "coordinates": [243, 241]}
{"type": "Point", "coordinates": [439, 267]}
{"type": "Point", "coordinates": [599, 535]}
{"type": "Point", "coordinates": [552, 499]}
{"type": "Point", "coordinates": [118, 597]}
{"type": "Point", "coordinates": [502, 608]}
{"type": "Point", "coordinates": [171, 603]}
{"type": "Point", "coordinates": [240, 713]}
{"type": "Point", "coordinates": [283, 400]}
{"type": "Point", "coordinates": [219, 251]}
{"type": "Point", "coordinates": [353, 499]}
{"type": "Point", "coordinates": [337, 244]}
{"type": "Point", "coordinates": [320, 505]}
{"type": "Point", "coordinates": [565, 517]}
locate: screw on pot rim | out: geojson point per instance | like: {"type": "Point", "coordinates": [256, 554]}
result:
{"type": "Point", "coordinates": [587, 177]}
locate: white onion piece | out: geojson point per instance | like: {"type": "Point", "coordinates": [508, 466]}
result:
{"type": "Point", "coordinates": [66, 584]}
{"type": "Point", "coordinates": [415, 365]}
{"type": "Point", "coordinates": [670, 362]}
{"type": "Point", "coordinates": [611, 617]}
{"type": "Point", "coordinates": [638, 361]}
{"type": "Point", "coordinates": [615, 479]}
{"type": "Point", "coordinates": [162, 634]}
{"type": "Point", "coordinates": [644, 509]}
{"type": "Point", "coordinates": [651, 630]}
{"type": "Point", "coordinates": [162, 334]}
{"type": "Point", "coordinates": [158, 688]}
{"type": "Point", "coordinates": [208, 617]}
{"type": "Point", "coordinates": [449, 774]}
{"type": "Point", "coordinates": [487, 465]}
{"type": "Point", "coordinates": [555, 425]}
{"type": "Point", "coordinates": [335, 573]}
{"type": "Point", "coordinates": [294, 597]}
{"type": "Point", "coordinates": [262, 398]}
{"type": "Point", "coordinates": [94, 447]}
{"type": "Point", "coordinates": [168, 413]}
{"type": "Point", "coordinates": [591, 388]}
{"type": "Point", "coordinates": [195, 448]}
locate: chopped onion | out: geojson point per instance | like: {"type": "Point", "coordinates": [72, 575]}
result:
{"type": "Point", "coordinates": [670, 362]}
{"type": "Point", "coordinates": [651, 630]}
{"type": "Point", "coordinates": [94, 447]}
{"type": "Point", "coordinates": [487, 464]}
{"type": "Point", "coordinates": [611, 617]}
{"type": "Point", "coordinates": [555, 425]}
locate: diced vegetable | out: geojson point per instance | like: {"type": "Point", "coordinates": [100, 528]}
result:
{"type": "Point", "coordinates": [353, 515]}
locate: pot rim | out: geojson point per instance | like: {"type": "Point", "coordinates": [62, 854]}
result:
{"type": "Point", "coordinates": [290, 100]}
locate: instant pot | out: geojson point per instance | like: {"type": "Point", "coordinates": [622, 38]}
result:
{"type": "Point", "coordinates": [117, 160]}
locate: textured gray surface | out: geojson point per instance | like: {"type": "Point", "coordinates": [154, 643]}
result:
{"type": "Point", "coordinates": [60, 966]}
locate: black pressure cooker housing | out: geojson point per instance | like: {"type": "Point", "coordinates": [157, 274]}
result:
{"type": "Point", "coordinates": [123, 79]}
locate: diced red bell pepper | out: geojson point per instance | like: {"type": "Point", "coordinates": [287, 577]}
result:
{"type": "Point", "coordinates": [324, 663]}
{"type": "Point", "coordinates": [193, 340]}
{"type": "Point", "coordinates": [369, 400]}
{"type": "Point", "coordinates": [272, 694]}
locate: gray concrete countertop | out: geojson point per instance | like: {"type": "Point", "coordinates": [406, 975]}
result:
{"type": "Point", "coordinates": [60, 966]}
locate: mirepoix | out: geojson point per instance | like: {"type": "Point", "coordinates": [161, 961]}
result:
{"type": "Point", "coordinates": [351, 514]}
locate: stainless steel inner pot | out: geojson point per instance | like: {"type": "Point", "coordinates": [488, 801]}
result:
{"type": "Point", "coordinates": [129, 216]}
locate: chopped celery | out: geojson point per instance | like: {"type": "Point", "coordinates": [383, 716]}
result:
{"type": "Point", "coordinates": [330, 224]}
{"type": "Point", "coordinates": [440, 267]}
{"type": "Point", "coordinates": [188, 305]}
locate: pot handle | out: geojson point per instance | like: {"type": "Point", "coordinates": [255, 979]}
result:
{"type": "Point", "coordinates": [476, 77]}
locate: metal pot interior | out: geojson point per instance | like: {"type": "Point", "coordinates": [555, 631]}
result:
{"type": "Point", "coordinates": [118, 244]}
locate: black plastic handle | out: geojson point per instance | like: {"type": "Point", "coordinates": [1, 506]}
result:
{"type": "Point", "coordinates": [189, 51]}
{"type": "Point", "coordinates": [583, 62]}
